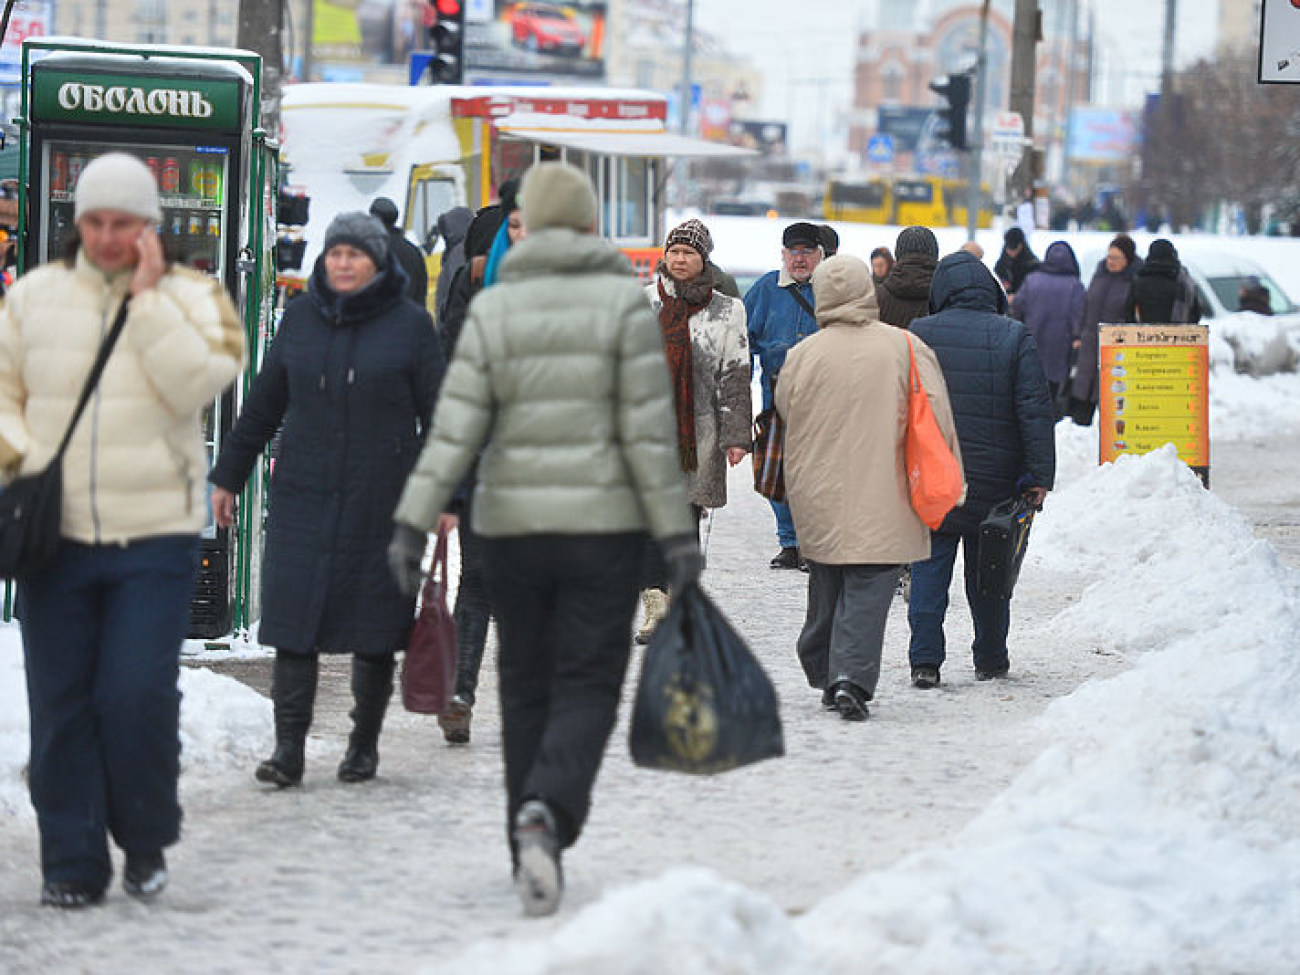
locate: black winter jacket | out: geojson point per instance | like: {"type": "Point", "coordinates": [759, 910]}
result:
{"type": "Point", "coordinates": [352, 381]}
{"type": "Point", "coordinates": [412, 260]}
{"type": "Point", "coordinates": [1004, 417]}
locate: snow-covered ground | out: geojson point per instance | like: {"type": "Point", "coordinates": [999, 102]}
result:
{"type": "Point", "coordinates": [1128, 802]}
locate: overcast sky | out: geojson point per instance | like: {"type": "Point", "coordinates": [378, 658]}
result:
{"type": "Point", "coordinates": [808, 60]}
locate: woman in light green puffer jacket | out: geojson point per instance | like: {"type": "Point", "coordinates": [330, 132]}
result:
{"type": "Point", "coordinates": [560, 370]}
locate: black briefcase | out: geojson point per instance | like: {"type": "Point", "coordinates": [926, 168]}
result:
{"type": "Point", "coordinates": [1004, 536]}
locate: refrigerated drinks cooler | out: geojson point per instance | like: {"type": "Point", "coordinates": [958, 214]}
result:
{"type": "Point", "coordinates": [190, 118]}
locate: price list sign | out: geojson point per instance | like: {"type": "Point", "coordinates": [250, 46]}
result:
{"type": "Point", "coordinates": [1154, 389]}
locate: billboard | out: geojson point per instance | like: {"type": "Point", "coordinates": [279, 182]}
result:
{"type": "Point", "coordinates": [1102, 135]}
{"type": "Point", "coordinates": [903, 124]}
{"type": "Point", "coordinates": [769, 138]}
{"type": "Point", "coordinates": [1279, 42]}
{"type": "Point", "coordinates": [535, 37]}
{"type": "Point", "coordinates": [29, 18]}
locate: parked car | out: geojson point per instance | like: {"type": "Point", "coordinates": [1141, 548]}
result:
{"type": "Point", "coordinates": [543, 27]}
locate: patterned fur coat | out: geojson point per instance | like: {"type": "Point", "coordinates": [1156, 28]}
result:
{"type": "Point", "coordinates": [723, 411]}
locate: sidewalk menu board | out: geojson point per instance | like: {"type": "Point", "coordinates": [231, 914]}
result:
{"type": "Point", "coordinates": [1154, 390]}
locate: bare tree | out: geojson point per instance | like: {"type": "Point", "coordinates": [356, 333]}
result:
{"type": "Point", "coordinates": [1220, 138]}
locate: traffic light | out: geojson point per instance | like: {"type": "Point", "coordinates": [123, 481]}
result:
{"type": "Point", "coordinates": [446, 24]}
{"type": "Point", "coordinates": [955, 89]}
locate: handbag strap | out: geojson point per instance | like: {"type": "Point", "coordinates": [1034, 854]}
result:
{"type": "Point", "coordinates": [439, 563]}
{"type": "Point", "coordinates": [913, 375]}
{"type": "Point", "coordinates": [794, 293]}
{"type": "Point", "coordinates": [92, 380]}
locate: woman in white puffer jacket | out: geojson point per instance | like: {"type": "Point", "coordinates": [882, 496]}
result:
{"type": "Point", "coordinates": [103, 625]}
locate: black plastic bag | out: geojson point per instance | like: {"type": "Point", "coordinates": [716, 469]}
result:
{"type": "Point", "coordinates": [1004, 536]}
{"type": "Point", "coordinates": [704, 703]}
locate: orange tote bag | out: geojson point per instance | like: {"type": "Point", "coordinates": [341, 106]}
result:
{"type": "Point", "coordinates": [934, 476]}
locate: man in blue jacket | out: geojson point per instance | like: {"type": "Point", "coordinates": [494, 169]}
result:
{"type": "Point", "coordinates": [779, 309]}
{"type": "Point", "coordinates": [1006, 429]}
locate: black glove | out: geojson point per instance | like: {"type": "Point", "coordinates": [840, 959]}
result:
{"type": "Point", "coordinates": [685, 560]}
{"type": "Point", "coordinates": [405, 555]}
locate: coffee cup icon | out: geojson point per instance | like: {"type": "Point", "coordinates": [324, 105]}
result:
{"type": "Point", "coordinates": [1118, 371]}
{"type": "Point", "coordinates": [1119, 386]}
{"type": "Point", "coordinates": [1119, 426]}
{"type": "Point", "coordinates": [1119, 404]}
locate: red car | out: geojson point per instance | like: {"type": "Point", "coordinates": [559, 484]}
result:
{"type": "Point", "coordinates": [542, 27]}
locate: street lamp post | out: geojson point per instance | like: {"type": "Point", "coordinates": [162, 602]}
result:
{"type": "Point", "coordinates": [977, 143]}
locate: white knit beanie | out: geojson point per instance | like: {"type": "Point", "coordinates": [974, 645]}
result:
{"type": "Point", "coordinates": [117, 181]}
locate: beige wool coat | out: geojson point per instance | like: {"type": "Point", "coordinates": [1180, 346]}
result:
{"type": "Point", "coordinates": [843, 396]}
{"type": "Point", "coordinates": [136, 466]}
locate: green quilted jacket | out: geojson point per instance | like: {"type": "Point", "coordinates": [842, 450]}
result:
{"type": "Point", "coordinates": [560, 371]}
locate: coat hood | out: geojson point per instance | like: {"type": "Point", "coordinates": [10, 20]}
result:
{"type": "Point", "coordinates": [843, 293]}
{"type": "Point", "coordinates": [559, 250]}
{"type": "Point", "coordinates": [453, 224]}
{"type": "Point", "coordinates": [1060, 259]}
{"type": "Point", "coordinates": [962, 281]}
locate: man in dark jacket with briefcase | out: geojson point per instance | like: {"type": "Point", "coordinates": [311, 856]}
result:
{"type": "Point", "coordinates": [1006, 428]}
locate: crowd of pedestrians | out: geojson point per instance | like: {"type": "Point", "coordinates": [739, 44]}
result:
{"type": "Point", "coordinates": [581, 437]}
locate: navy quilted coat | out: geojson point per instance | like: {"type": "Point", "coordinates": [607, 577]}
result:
{"type": "Point", "coordinates": [1004, 417]}
{"type": "Point", "coordinates": [351, 382]}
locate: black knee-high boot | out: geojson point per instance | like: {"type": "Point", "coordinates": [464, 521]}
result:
{"type": "Point", "coordinates": [293, 693]}
{"type": "Point", "coordinates": [372, 686]}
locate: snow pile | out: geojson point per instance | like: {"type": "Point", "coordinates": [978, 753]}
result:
{"type": "Point", "coordinates": [223, 723]}
{"type": "Point", "coordinates": [1157, 833]}
{"type": "Point", "coordinates": [1163, 816]}
{"type": "Point", "coordinates": [688, 922]}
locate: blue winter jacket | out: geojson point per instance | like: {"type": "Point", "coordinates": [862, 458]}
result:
{"type": "Point", "coordinates": [1000, 403]}
{"type": "Point", "coordinates": [777, 322]}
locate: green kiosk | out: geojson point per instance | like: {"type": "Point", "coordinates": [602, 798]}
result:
{"type": "Point", "coordinates": [191, 115]}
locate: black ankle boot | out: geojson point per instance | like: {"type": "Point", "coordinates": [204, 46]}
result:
{"type": "Point", "coordinates": [372, 686]}
{"type": "Point", "coordinates": [293, 692]}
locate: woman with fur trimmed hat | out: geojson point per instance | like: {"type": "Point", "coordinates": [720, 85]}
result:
{"type": "Point", "coordinates": [707, 345]}
{"type": "Point", "coordinates": [350, 382]}
{"type": "Point", "coordinates": [102, 626]}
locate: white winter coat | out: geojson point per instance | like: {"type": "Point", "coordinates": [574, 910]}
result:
{"type": "Point", "coordinates": [136, 464]}
{"type": "Point", "coordinates": [721, 372]}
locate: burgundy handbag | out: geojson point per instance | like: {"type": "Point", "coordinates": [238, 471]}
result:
{"type": "Point", "coordinates": [429, 670]}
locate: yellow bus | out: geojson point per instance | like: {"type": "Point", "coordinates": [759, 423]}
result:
{"type": "Point", "coordinates": [929, 201]}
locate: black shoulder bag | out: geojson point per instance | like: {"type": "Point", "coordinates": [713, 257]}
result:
{"type": "Point", "coordinates": [31, 507]}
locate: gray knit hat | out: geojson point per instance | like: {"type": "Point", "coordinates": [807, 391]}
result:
{"type": "Point", "coordinates": [917, 240]}
{"type": "Point", "coordinates": [117, 181]}
{"type": "Point", "coordinates": [692, 233]}
{"type": "Point", "coordinates": [555, 194]}
{"type": "Point", "coordinates": [362, 231]}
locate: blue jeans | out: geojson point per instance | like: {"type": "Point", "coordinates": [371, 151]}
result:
{"type": "Point", "coordinates": [784, 524]}
{"type": "Point", "coordinates": [928, 604]}
{"type": "Point", "coordinates": [102, 630]}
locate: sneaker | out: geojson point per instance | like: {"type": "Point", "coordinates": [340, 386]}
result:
{"type": "Point", "coordinates": [538, 880]}
{"type": "Point", "coordinates": [454, 722]}
{"type": "Point", "coordinates": [145, 874]}
{"type": "Point", "coordinates": [69, 895]}
{"type": "Point", "coordinates": [997, 673]}
{"type": "Point", "coordinates": [925, 676]}
{"type": "Point", "coordinates": [787, 558]}
{"type": "Point", "coordinates": [851, 701]}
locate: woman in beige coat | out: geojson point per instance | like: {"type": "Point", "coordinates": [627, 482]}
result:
{"type": "Point", "coordinates": [843, 396]}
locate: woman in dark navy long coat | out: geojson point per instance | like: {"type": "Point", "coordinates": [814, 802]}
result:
{"type": "Point", "coordinates": [350, 381]}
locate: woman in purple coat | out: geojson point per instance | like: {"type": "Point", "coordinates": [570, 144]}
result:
{"type": "Point", "coordinates": [1050, 302]}
{"type": "Point", "coordinates": [1107, 299]}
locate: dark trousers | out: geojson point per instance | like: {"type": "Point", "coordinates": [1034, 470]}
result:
{"type": "Point", "coordinates": [844, 630]}
{"type": "Point", "coordinates": [564, 606]}
{"type": "Point", "coordinates": [102, 630]}
{"type": "Point", "coordinates": [928, 604]}
{"type": "Point", "coordinates": [473, 611]}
